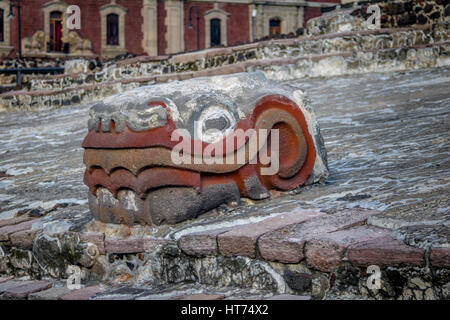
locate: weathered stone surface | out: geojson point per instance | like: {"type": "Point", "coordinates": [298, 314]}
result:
{"type": "Point", "coordinates": [23, 239]}
{"type": "Point", "coordinates": [13, 221]}
{"type": "Point", "coordinates": [22, 291]}
{"type": "Point", "coordinates": [140, 156]}
{"type": "Point", "coordinates": [122, 293]}
{"type": "Point", "coordinates": [49, 294]}
{"type": "Point", "coordinates": [82, 294]}
{"type": "Point", "coordinates": [241, 240]}
{"type": "Point", "coordinates": [199, 296]}
{"type": "Point", "coordinates": [440, 257]}
{"type": "Point", "coordinates": [131, 245]}
{"type": "Point", "coordinates": [385, 251]}
{"type": "Point", "coordinates": [96, 238]}
{"type": "Point", "coordinates": [12, 284]}
{"type": "Point", "coordinates": [6, 279]}
{"type": "Point", "coordinates": [286, 245]}
{"type": "Point", "coordinates": [201, 243]}
{"type": "Point", "coordinates": [6, 231]}
{"type": "Point", "coordinates": [325, 252]}
{"type": "Point", "coordinates": [289, 297]}
{"type": "Point", "coordinates": [300, 281]}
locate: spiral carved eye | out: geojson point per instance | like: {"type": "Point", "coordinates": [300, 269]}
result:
{"type": "Point", "coordinates": [214, 123]}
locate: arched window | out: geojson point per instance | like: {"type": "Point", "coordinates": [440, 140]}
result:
{"type": "Point", "coordinates": [215, 32]}
{"type": "Point", "coordinates": [275, 26]}
{"type": "Point", "coordinates": [56, 30]}
{"type": "Point", "coordinates": [112, 29]}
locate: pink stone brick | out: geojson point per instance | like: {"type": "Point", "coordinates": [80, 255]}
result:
{"type": "Point", "coordinates": [325, 252]}
{"type": "Point", "coordinates": [6, 279]}
{"type": "Point", "coordinates": [150, 244]}
{"type": "Point", "coordinates": [13, 221]}
{"type": "Point", "coordinates": [440, 257]}
{"type": "Point", "coordinates": [385, 251]}
{"type": "Point", "coordinates": [23, 239]}
{"type": "Point", "coordinates": [241, 240]}
{"type": "Point", "coordinates": [201, 243]}
{"type": "Point", "coordinates": [132, 244]}
{"type": "Point", "coordinates": [286, 245]}
{"type": "Point", "coordinates": [199, 296]}
{"type": "Point", "coordinates": [22, 291]}
{"type": "Point", "coordinates": [128, 245]}
{"type": "Point", "coordinates": [82, 294]}
{"type": "Point", "coordinates": [6, 231]}
{"type": "Point", "coordinates": [96, 238]}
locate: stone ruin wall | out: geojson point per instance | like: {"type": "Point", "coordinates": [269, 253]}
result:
{"type": "Point", "coordinates": [394, 14]}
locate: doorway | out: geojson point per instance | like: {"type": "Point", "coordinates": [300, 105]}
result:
{"type": "Point", "coordinates": [56, 28]}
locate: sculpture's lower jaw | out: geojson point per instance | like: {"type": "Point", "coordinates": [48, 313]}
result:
{"type": "Point", "coordinates": [167, 205]}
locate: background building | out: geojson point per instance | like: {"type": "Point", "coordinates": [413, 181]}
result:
{"type": "Point", "coordinates": [154, 27]}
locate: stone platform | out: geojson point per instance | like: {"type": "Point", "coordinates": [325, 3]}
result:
{"type": "Point", "coordinates": [269, 250]}
{"type": "Point", "coordinates": [383, 204]}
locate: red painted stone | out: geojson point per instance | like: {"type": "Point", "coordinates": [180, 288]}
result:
{"type": "Point", "coordinates": [385, 251]}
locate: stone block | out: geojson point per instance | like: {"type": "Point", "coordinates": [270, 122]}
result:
{"type": "Point", "coordinates": [22, 291]}
{"type": "Point", "coordinates": [241, 240]}
{"type": "Point", "coordinates": [286, 245]}
{"type": "Point", "coordinates": [385, 251]}
{"type": "Point", "coordinates": [200, 243]}
{"type": "Point", "coordinates": [82, 294]}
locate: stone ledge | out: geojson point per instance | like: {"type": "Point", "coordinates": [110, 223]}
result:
{"type": "Point", "coordinates": [241, 241]}
{"type": "Point", "coordinates": [286, 245]}
{"type": "Point", "coordinates": [22, 291]}
{"type": "Point", "coordinates": [82, 294]}
{"type": "Point", "coordinates": [440, 257]}
{"type": "Point", "coordinates": [325, 252]}
{"type": "Point", "coordinates": [5, 232]}
{"type": "Point", "coordinates": [385, 251]}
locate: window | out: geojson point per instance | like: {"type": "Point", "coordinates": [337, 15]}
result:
{"type": "Point", "coordinates": [112, 29]}
{"type": "Point", "coordinates": [275, 26]}
{"type": "Point", "coordinates": [2, 20]}
{"type": "Point", "coordinates": [56, 29]}
{"type": "Point", "coordinates": [215, 32]}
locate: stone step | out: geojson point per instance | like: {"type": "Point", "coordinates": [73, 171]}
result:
{"type": "Point", "coordinates": [21, 289]}
{"type": "Point", "coordinates": [286, 245]}
{"type": "Point", "coordinates": [392, 59]}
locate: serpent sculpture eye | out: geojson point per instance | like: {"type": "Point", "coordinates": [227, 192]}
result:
{"type": "Point", "coordinates": [214, 123]}
{"type": "Point", "coordinates": [130, 169]}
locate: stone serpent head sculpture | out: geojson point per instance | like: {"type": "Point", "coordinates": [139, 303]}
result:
{"type": "Point", "coordinates": [165, 153]}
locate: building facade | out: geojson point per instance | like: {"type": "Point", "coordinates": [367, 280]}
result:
{"type": "Point", "coordinates": [154, 27]}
